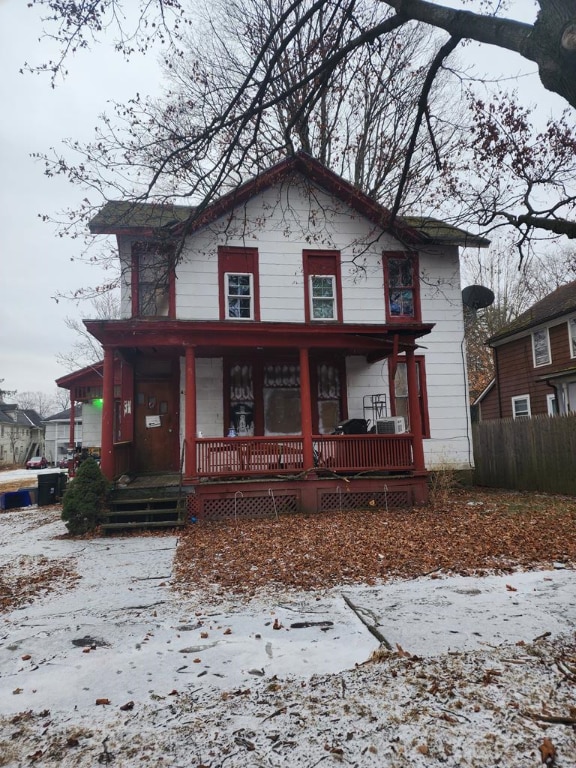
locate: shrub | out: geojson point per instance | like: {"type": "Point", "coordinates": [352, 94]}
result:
{"type": "Point", "coordinates": [85, 498]}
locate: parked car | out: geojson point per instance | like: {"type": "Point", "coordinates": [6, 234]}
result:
{"type": "Point", "coordinates": [36, 462]}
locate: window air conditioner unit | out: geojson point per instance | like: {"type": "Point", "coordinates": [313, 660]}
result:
{"type": "Point", "coordinates": [392, 425]}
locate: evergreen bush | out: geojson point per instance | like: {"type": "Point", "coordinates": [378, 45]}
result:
{"type": "Point", "coordinates": [85, 498]}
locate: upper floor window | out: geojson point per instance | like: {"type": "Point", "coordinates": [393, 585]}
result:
{"type": "Point", "coordinates": [401, 283]}
{"type": "Point", "coordinates": [239, 290]}
{"type": "Point", "coordinates": [572, 336]}
{"type": "Point", "coordinates": [521, 406]}
{"type": "Point", "coordinates": [238, 283]}
{"type": "Point", "coordinates": [541, 347]}
{"type": "Point", "coordinates": [322, 285]}
{"type": "Point", "coordinates": [153, 287]}
{"type": "Point", "coordinates": [323, 297]}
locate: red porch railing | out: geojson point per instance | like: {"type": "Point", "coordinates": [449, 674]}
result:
{"type": "Point", "coordinates": [221, 457]}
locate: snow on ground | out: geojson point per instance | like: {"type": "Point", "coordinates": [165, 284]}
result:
{"type": "Point", "coordinates": [119, 668]}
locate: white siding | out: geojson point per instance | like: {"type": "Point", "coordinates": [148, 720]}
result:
{"type": "Point", "coordinates": [209, 396]}
{"type": "Point", "coordinates": [91, 426]}
{"type": "Point", "coordinates": [281, 225]}
{"type": "Point", "coordinates": [280, 243]}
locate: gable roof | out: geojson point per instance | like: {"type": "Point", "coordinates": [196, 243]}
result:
{"type": "Point", "coordinates": [154, 220]}
{"type": "Point", "coordinates": [560, 302]}
{"type": "Point", "coordinates": [22, 417]}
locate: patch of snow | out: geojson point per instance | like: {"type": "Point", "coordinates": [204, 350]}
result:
{"type": "Point", "coordinates": [193, 683]}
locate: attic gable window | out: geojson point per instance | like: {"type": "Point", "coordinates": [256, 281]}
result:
{"type": "Point", "coordinates": [153, 288]}
{"type": "Point", "coordinates": [239, 285]}
{"type": "Point", "coordinates": [541, 347]}
{"type": "Point", "coordinates": [401, 283]}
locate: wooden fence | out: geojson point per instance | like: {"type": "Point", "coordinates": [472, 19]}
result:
{"type": "Point", "coordinates": [537, 454]}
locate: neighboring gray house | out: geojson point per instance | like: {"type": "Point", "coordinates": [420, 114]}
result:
{"type": "Point", "coordinates": [57, 434]}
{"type": "Point", "coordinates": [21, 434]}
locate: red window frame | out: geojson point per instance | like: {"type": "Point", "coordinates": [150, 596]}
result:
{"type": "Point", "coordinates": [322, 263]}
{"type": "Point", "coordinates": [422, 394]}
{"type": "Point", "coordinates": [416, 316]}
{"type": "Point", "coordinates": [144, 247]}
{"type": "Point", "coordinates": [242, 261]}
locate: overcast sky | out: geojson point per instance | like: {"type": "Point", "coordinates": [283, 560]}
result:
{"type": "Point", "coordinates": [36, 264]}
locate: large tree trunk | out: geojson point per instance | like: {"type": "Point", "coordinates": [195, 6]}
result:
{"type": "Point", "coordinates": [550, 42]}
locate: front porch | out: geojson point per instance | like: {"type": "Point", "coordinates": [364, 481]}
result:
{"type": "Point", "coordinates": [266, 477]}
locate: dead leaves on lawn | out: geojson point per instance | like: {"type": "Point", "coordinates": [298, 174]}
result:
{"type": "Point", "coordinates": [25, 578]}
{"type": "Point", "coordinates": [472, 534]}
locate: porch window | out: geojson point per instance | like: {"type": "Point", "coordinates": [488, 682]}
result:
{"type": "Point", "coordinates": [401, 286]}
{"type": "Point", "coordinates": [399, 392]}
{"type": "Point", "coordinates": [281, 396]}
{"type": "Point", "coordinates": [238, 283]}
{"type": "Point", "coordinates": [239, 296]}
{"type": "Point", "coordinates": [572, 336]}
{"type": "Point", "coordinates": [541, 347]}
{"type": "Point", "coordinates": [152, 280]}
{"type": "Point", "coordinates": [521, 406]}
{"type": "Point", "coordinates": [329, 396]}
{"type": "Point", "coordinates": [322, 286]}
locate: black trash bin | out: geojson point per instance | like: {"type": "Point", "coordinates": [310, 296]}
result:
{"type": "Point", "coordinates": [48, 488]}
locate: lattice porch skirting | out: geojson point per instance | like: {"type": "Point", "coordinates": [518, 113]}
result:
{"type": "Point", "coordinates": [222, 501]}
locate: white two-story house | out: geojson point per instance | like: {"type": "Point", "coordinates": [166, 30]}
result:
{"type": "Point", "coordinates": [290, 340]}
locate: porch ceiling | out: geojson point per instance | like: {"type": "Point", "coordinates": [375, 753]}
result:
{"type": "Point", "coordinates": [216, 338]}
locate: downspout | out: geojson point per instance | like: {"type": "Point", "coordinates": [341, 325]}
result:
{"type": "Point", "coordinates": [497, 377]}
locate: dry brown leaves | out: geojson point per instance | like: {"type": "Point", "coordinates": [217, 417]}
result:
{"type": "Point", "coordinates": [26, 578]}
{"type": "Point", "coordinates": [472, 532]}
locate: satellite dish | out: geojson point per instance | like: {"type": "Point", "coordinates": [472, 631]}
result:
{"type": "Point", "coordinates": [477, 297]}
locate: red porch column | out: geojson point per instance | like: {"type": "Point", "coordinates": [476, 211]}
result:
{"type": "Point", "coordinates": [190, 413]}
{"type": "Point", "coordinates": [71, 436]}
{"type": "Point", "coordinates": [107, 450]}
{"type": "Point", "coordinates": [306, 407]}
{"type": "Point", "coordinates": [72, 428]}
{"type": "Point", "coordinates": [414, 410]}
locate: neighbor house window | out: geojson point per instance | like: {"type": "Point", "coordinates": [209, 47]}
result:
{"type": "Point", "coordinates": [541, 347]}
{"type": "Point", "coordinates": [521, 406]}
{"type": "Point", "coordinates": [153, 286]}
{"type": "Point", "coordinates": [238, 283]}
{"type": "Point", "coordinates": [322, 285]}
{"type": "Point", "coordinates": [401, 286]}
{"type": "Point", "coordinates": [552, 405]}
{"type": "Point", "coordinates": [572, 336]}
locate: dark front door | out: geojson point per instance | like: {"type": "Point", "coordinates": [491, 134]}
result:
{"type": "Point", "coordinates": [156, 427]}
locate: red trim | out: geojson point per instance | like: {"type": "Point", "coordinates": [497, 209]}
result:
{"type": "Point", "coordinates": [190, 413]}
{"type": "Point", "coordinates": [242, 261]}
{"type": "Point", "coordinates": [174, 335]}
{"type": "Point", "coordinates": [413, 257]}
{"type": "Point", "coordinates": [315, 171]}
{"type": "Point", "coordinates": [107, 442]}
{"type": "Point", "coordinates": [420, 364]}
{"type": "Point", "coordinates": [414, 410]}
{"type": "Point", "coordinates": [299, 163]}
{"type": "Point", "coordinates": [322, 263]}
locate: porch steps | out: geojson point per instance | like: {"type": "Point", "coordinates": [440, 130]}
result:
{"type": "Point", "coordinates": [148, 508]}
